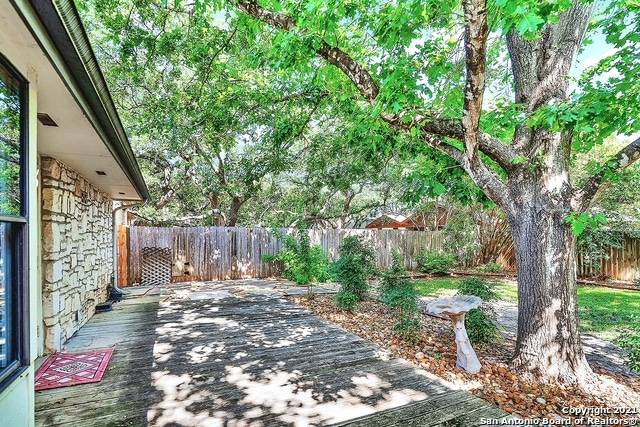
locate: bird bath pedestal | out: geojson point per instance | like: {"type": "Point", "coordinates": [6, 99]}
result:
{"type": "Point", "coordinates": [455, 307]}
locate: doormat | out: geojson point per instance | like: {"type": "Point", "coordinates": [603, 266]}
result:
{"type": "Point", "coordinates": [67, 369]}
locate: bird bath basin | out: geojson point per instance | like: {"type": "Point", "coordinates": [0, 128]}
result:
{"type": "Point", "coordinates": [455, 307]}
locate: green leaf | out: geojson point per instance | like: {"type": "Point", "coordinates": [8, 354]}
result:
{"type": "Point", "coordinates": [577, 227]}
{"type": "Point", "coordinates": [600, 218]}
{"type": "Point", "coordinates": [529, 23]}
{"type": "Point", "coordinates": [518, 160]}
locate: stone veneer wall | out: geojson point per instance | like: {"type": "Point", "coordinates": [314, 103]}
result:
{"type": "Point", "coordinates": [76, 250]}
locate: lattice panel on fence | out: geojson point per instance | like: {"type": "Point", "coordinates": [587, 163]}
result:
{"type": "Point", "coordinates": [156, 266]}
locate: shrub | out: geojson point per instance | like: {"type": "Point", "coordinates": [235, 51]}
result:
{"type": "Point", "coordinates": [399, 293]}
{"type": "Point", "coordinates": [355, 265]}
{"type": "Point", "coordinates": [629, 339]}
{"type": "Point", "coordinates": [347, 300]}
{"type": "Point", "coordinates": [302, 262]}
{"type": "Point", "coordinates": [490, 267]}
{"type": "Point", "coordinates": [479, 287]}
{"type": "Point", "coordinates": [434, 261]}
{"type": "Point", "coordinates": [479, 322]}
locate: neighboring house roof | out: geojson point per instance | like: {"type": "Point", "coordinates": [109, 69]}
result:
{"type": "Point", "coordinates": [421, 221]}
{"type": "Point", "coordinates": [72, 90]}
{"type": "Point", "coordinates": [384, 220]}
{"type": "Point", "coordinates": [416, 221]}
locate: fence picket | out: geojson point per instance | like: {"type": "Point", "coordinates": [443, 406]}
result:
{"type": "Point", "coordinates": [219, 253]}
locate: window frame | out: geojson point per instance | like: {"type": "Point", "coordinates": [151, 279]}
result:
{"type": "Point", "coordinates": [18, 313]}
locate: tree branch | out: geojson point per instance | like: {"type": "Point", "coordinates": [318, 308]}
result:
{"type": "Point", "coordinates": [495, 149]}
{"type": "Point", "coordinates": [363, 81]}
{"type": "Point", "coordinates": [591, 191]}
{"type": "Point", "coordinates": [541, 66]}
{"type": "Point", "coordinates": [368, 88]}
{"type": "Point", "coordinates": [169, 192]}
{"type": "Point", "coordinates": [488, 181]}
{"type": "Point", "coordinates": [476, 31]}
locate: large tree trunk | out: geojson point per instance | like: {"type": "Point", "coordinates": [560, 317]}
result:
{"type": "Point", "coordinates": [234, 210]}
{"type": "Point", "coordinates": [548, 344]}
{"type": "Point", "coordinates": [548, 341]}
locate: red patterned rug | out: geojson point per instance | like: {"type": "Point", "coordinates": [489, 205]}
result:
{"type": "Point", "coordinates": [67, 369]}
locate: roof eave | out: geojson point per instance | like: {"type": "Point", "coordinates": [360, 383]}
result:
{"type": "Point", "coordinates": [62, 23]}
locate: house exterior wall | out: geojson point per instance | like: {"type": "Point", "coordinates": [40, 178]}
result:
{"type": "Point", "coordinates": [76, 251]}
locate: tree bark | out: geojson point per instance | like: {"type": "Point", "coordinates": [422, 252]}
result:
{"type": "Point", "coordinates": [540, 199]}
{"type": "Point", "coordinates": [234, 210]}
{"type": "Point", "coordinates": [214, 202]}
{"type": "Point", "coordinates": [548, 340]}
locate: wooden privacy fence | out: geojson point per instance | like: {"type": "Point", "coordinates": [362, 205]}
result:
{"type": "Point", "coordinates": [218, 253]}
{"type": "Point", "coordinates": [623, 263]}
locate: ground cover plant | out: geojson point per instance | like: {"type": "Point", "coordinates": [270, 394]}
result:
{"type": "Point", "coordinates": [630, 340]}
{"type": "Point", "coordinates": [490, 267]}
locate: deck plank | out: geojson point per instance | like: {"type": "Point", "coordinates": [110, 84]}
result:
{"type": "Point", "coordinates": [250, 360]}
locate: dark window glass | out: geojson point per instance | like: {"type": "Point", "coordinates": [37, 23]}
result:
{"type": "Point", "coordinates": [4, 273]}
{"type": "Point", "coordinates": [13, 291]}
{"type": "Point", "coordinates": [7, 353]}
{"type": "Point", "coordinates": [10, 143]}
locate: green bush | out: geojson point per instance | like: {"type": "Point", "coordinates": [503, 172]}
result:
{"type": "Point", "coordinates": [400, 294]}
{"type": "Point", "coordinates": [479, 322]}
{"type": "Point", "coordinates": [480, 325]}
{"type": "Point", "coordinates": [352, 271]}
{"type": "Point", "coordinates": [302, 262]}
{"type": "Point", "coordinates": [490, 267]}
{"type": "Point", "coordinates": [347, 300]}
{"type": "Point", "coordinates": [479, 287]}
{"type": "Point", "coordinates": [629, 339]}
{"type": "Point", "coordinates": [434, 261]}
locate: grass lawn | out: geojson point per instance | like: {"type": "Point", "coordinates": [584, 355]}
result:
{"type": "Point", "coordinates": [437, 287]}
{"type": "Point", "coordinates": [446, 286]}
{"type": "Point", "coordinates": [607, 310]}
{"type": "Point", "coordinates": [601, 310]}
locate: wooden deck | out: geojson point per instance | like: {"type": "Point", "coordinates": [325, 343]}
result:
{"type": "Point", "coordinates": [251, 360]}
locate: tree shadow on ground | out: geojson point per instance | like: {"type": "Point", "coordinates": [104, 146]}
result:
{"type": "Point", "coordinates": [264, 361]}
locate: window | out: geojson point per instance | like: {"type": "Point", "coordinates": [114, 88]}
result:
{"type": "Point", "coordinates": [13, 222]}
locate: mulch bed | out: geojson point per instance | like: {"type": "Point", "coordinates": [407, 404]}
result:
{"type": "Point", "coordinates": [435, 351]}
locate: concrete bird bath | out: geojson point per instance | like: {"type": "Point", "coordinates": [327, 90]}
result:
{"type": "Point", "coordinates": [455, 307]}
